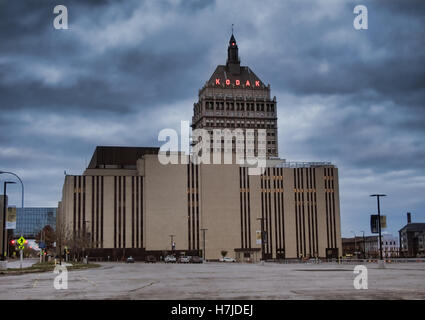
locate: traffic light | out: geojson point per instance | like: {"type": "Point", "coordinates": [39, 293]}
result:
{"type": "Point", "coordinates": [12, 242]}
{"type": "Point", "coordinates": [26, 241]}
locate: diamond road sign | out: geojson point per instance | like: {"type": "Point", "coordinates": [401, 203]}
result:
{"type": "Point", "coordinates": [21, 241]}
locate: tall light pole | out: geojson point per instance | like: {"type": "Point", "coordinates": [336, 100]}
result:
{"type": "Point", "coordinates": [379, 221]}
{"type": "Point", "coordinates": [203, 234]}
{"type": "Point", "coordinates": [22, 186]}
{"type": "Point", "coordinates": [364, 246]}
{"type": "Point", "coordinates": [4, 218]}
{"type": "Point", "coordinates": [355, 244]}
{"type": "Point", "coordinates": [22, 196]}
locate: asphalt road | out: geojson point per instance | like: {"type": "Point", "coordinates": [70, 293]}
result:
{"type": "Point", "coordinates": [221, 281]}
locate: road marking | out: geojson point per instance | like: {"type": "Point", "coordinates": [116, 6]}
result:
{"type": "Point", "coordinates": [92, 282]}
{"type": "Point", "coordinates": [148, 285]}
{"type": "Point", "coordinates": [35, 282]}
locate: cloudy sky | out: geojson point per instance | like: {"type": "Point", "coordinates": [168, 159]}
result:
{"type": "Point", "coordinates": [124, 70]}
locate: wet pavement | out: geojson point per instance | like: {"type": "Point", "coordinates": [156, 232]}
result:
{"type": "Point", "coordinates": [221, 281]}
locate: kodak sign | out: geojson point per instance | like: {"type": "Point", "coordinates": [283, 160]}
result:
{"type": "Point", "coordinates": [237, 82]}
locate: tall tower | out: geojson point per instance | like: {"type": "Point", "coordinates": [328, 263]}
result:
{"type": "Point", "coordinates": [235, 98]}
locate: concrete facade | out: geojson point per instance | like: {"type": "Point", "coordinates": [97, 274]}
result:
{"type": "Point", "coordinates": [140, 209]}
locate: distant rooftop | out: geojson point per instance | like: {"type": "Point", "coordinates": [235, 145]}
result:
{"type": "Point", "coordinates": [414, 227]}
{"type": "Point", "coordinates": [118, 157]}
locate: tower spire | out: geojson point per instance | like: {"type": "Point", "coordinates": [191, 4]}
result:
{"type": "Point", "coordinates": [233, 62]}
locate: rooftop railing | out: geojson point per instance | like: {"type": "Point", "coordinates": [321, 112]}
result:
{"type": "Point", "coordinates": [295, 164]}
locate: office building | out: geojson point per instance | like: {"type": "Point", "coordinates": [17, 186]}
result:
{"type": "Point", "coordinates": [127, 202]}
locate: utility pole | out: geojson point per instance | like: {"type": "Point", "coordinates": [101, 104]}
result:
{"type": "Point", "coordinates": [22, 203]}
{"type": "Point", "coordinates": [364, 246]}
{"type": "Point", "coordinates": [379, 222]}
{"type": "Point", "coordinates": [355, 244]}
{"type": "Point", "coordinates": [262, 237]}
{"type": "Point", "coordinates": [203, 234]}
{"type": "Point", "coordinates": [3, 258]}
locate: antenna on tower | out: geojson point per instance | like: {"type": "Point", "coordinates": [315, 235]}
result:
{"type": "Point", "coordinates": [232, 27]}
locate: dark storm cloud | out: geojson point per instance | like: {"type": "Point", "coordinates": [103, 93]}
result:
{"type": "Point", "coordinates": [60, 72]}
{"type": "Point", "coordinates": [125, 70]}
{"type": "Point", "coordinates": [387, 58]}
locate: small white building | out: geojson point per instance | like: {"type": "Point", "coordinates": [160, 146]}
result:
{"type": "Point", "coordinates": [390, 246]}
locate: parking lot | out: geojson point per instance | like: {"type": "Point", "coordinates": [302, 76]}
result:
{"type": "Point", "coordinates": [221, 281]}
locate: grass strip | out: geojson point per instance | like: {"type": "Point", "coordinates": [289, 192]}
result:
{"type": "Point", "coordinates": [46, 267]}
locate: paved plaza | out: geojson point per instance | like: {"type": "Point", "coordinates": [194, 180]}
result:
{"type": "Point", "coordinates": [221, 281]}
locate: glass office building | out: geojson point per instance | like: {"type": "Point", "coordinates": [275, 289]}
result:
{"type": "Point", "coordinates": [30, 221]}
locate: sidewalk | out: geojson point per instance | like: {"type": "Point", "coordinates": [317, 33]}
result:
{"type": "Point", "coordinates": [15, 264]}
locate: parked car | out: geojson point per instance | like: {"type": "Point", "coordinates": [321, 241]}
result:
{"type": "Point", "coordinates": [151, 259]}
{"type": "Point", "coordinates": [227, 259]}
{"type": "Point", "coordinates": [130, 259]}
{"type": "Point", "coordinates": [170, 259]}
{"type": "Point", "coordinates": [184, 259]}
{"type": "Point", "coordinates": [196, 259]}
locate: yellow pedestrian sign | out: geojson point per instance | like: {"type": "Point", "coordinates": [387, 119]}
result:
{"type": "Point", "coordinates": [21, 241]}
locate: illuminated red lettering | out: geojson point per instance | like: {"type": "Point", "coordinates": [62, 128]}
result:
{"type": "Point", "coordinates": [248, 84]}
{"type": "Point", "coordinates": [257, 83]}
{"type": "Point", "coordinates": [228, 82]}
{"type": "Point", "coordinates": [238, 82]}
{"type": "Point", "coordinates": [217, 81]}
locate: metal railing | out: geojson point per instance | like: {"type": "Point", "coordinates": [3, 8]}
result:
{"type": "Point", "coordinates": [296, 164]}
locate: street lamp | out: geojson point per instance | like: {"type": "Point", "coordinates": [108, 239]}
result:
{"type": "Point", "coordinates": [364, 246]}
{"type": "Point", "coordinates": [22, 186]}
{"type": "Point", "coordinates": [379, 221]}
{"type": "Point", "coordinates": [22, 195]}
{"type": "Point", "coordinates": [355, 244]}
{"type": "Point", "coordinates": [4, 218]}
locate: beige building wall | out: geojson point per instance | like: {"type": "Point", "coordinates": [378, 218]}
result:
{"type": "Point", "coordinates": [338, 211]}
{"type": "Point", "coordinates": [165, 202]}
{"type": "Point", "coordinates": [108, 212]}
{"type": "Point", "coordinates": [289, 202]}
{"type": "Point", "coordinates": [166, 208]}
{"type": "Point", "coordinates": [220, 209]}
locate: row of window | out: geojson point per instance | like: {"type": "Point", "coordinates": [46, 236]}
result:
{"type": "Point", "coordinates": [239, 106]}
{"type": "Point", "coordinates": [248, 150]}
{"type": "Point", "coordinates": [391, 243]}
{"type": "Point", "coordinates": [240, 133]}
{"type": "Point", "coordinates": [241, 142]}
{"type": "Point", "coordinates": [239, 114]}
{"type": "Point", "coordinates": [264, 124]}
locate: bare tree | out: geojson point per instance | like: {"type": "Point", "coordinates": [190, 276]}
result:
{"type": "Point", "coordinates": [63, 238]}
